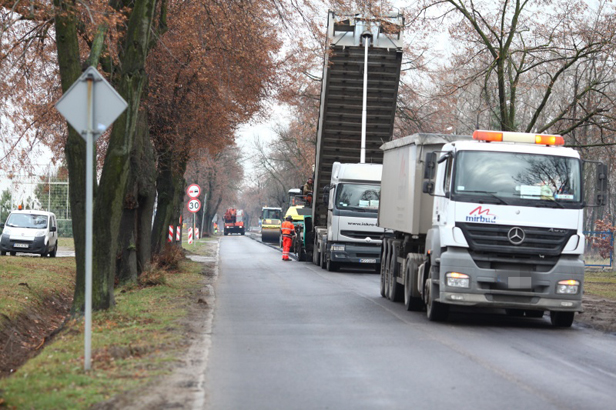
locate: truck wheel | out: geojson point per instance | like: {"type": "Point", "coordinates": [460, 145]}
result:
{"type": "Point", "coordinates": [410, 302]}
{"type": "Point", "coordinates": [322, 260]}
{"type": "Point", "coordinates": [436, 312]}
{"type": "Point", "coordinates": [332, 266]}
{"type": "Point", "coordinates": [396, 291]}
{"type": "Point", "coordinates": [3, 253]}
{"type": "Point", "coordinates": [562, 319]}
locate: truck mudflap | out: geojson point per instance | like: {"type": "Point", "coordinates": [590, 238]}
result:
{"type": "Point", "coordinates": [356, 253]}
{"type": "Point", "coordinates": [513, 286]}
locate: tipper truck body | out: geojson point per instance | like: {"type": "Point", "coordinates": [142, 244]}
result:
{"type": "Point", "coordinates": [494, 221]}
{"type": "Point", "coordinates": [361, 73]}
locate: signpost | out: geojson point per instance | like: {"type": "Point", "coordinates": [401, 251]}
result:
{"type": "Point", "coordinates": [90, 106]}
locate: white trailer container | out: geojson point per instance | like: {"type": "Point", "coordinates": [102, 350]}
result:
{"type": "Point", "coordinates": [490, 222]}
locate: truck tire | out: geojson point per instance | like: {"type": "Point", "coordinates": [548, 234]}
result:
{"type": "Point", "coordinates": [411, 303]}
{"type": "Point", "coordinates": [332, 266]}
{"type": "Point", "coordinates": [436, 312]}
{"type": "Point", "coordinates": [396, 291]}
{"type": "Point", "coordinates": [562, 319]}
{"type": "Point", "coordinates": [322, 260]}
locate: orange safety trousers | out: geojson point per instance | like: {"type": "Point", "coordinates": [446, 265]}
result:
{"type": "Point", "coordinates": [287, 230]}
{"type": "Point", "coordinates": [286, 247]}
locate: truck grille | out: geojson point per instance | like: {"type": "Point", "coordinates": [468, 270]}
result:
{"type": "Point", "coordinates": [361, 234]}
{"type": "Point", "coordinates": [490, 247]}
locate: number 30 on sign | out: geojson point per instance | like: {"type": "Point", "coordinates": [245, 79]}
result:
{"type": "Point", "coordinates": [193, 205]}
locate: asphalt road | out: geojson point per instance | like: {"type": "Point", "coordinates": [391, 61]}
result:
{"type": "Point", "coordinates": [289, 335]}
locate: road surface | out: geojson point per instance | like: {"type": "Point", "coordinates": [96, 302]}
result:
{"type": "Point", "coordinates": [289, 335]}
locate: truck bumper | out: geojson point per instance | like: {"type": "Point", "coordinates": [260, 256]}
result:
{"type": "Point", "coordinates": [513, 288]}
{"type": "Point", "coordinates": [357, 254]}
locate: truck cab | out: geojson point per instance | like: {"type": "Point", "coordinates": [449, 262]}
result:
{"type": "Point", "coordinates": [351, 236]}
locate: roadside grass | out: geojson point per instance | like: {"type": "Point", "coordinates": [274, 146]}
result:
{"type": "Point", "coordinates": [67, 244]}
{"type": "Point", "coordinates": [132, 344]}
{"type": "Point", "coordinates": [600, 283]}
{"type": "Point", "coordinates": [26, 281]}
{"type": "Point", "coordinates": [199, 247]}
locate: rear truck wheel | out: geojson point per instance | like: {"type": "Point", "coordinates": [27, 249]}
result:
{"type": "Point", "coordinates": [322, 260]}
{"type": "Point", "coordinates": [562, 319]}
{"type": "Point", "coordinates": [412, 303]}
{"type": "Point", "coordinates": [396, 291]}
{"type": "Point", "coordinates": [436, 312]}
{"type": "Point", "coordinates": [3, 253]}
{"type": "Point", "coordinates": [13, 253]}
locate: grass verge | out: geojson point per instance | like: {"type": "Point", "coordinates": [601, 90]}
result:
{"type": "Point", "coordinates": [132, 344]}
{"type": "Point", "coordinates": [599, 283]}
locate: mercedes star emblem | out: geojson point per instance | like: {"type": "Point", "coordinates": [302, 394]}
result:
{"type": "Point", "coordinates": [516, 235]}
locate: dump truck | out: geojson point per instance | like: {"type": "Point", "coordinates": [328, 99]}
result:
{"type": "Point", "coordinates": [271, 220]}
{"type": "Point", "coordinates": [234, 221]}
{"type": "Point", "coordinates": [490, 221]}
{"type": "Point", "coordinates": [361, 73]}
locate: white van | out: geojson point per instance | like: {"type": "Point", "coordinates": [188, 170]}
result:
{"type": "Point", "coordinates": [30, 232]}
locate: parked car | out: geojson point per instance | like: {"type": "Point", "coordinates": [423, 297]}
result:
{"type": "Point", "coordinates": [29, 232]}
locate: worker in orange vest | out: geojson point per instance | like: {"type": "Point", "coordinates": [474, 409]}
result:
{"type": "Point", "coordinates": [288, 233]}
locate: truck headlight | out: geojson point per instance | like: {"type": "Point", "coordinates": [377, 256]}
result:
{"type": "Point", "coordinates": [568, 287]}
{"type": "Point", "coordinates": [338, 247]}
{"type": "Point", "coordinates": [458, 280]}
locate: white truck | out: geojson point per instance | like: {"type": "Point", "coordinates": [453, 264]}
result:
{"type": "Point", "coordinates": [494, 221]}
{"type": "Point", "coordinates": [351, 236]}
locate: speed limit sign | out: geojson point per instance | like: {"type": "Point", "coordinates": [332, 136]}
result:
{"type": "Point", "coordinates": [193, 205]}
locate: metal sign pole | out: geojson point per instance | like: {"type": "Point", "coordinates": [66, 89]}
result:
{"type": "Point", "coordinates": [89, 194]}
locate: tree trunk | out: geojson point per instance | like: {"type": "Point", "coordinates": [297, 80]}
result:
{"type": "Point", "coordinates": [170, 187]}
{"type": "Point", "coordinates": [75, 149]}
{"type": "Point", "coordinates": [135, 230]}
{"type": "Point", "coordinates": [110, 197]}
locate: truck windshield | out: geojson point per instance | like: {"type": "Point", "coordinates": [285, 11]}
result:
{"type": "Point", "coordinates": [362, 197]}
{"type": "Point", "coordinates": [517, 178]}
{"type": "Point", "coordinates": [27, 221]}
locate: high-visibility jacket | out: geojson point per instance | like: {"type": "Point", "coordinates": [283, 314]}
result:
{"type": "Point", "coordinates": [287, 229]}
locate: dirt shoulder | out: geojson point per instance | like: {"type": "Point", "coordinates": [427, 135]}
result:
{"type": "Point", "coordinates": [599, 314]}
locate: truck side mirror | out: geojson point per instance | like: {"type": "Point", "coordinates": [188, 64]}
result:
{"type": "Point", "coordinates": [429, 165]}
{"type": "Point", "coordinates": [326, 189]}
{"type": "Point", "coordinates": [602, 172]}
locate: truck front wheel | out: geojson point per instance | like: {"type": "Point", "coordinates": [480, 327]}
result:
{"type": "Point", "coordinates": [436, 312]}
{"type": "Point", "coordinates": [562, 319]}
{"type": "Point", "coordinates": [395, 289]}
{"type": "Point", "coordinates": [332, 266]}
